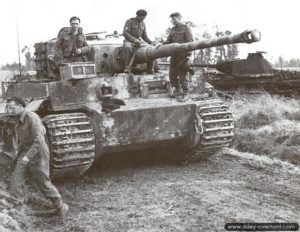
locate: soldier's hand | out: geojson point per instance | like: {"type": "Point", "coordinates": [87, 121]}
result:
{"type": "Point", "coordinates": [50, 57]}
{"type": "Point", "coordinates": [157, 45]}
{"type": "Point", "coordinates": [78, 51]}
{"type": "Point", "coordinates": [25, 161]}
{"type": "Point", "coordinates": [138, 43]}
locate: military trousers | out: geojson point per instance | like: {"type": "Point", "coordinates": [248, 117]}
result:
{"type": "Point", "coordinates": [40, 175]}
{"type": "Point", "coordinates": [128, 49]}
{"type": "Point", "coordinates": [178, 73]}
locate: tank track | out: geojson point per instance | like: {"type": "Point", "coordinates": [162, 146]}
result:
{"type": "Point", "coordinates": [216, 128]}
{"type": "Point", "coordinates": [71, 142]}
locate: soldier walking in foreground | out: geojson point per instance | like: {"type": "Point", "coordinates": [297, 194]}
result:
{"type": "Point", "coordinates": [134, 31]}
{"type": "Point", "coordinates": [32, 157]}
{"type": "Point", "coordinates": [180, 62]}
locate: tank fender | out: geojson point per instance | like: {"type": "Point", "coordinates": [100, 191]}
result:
{"type": "Point", "coordinates": [35, 104]}
{"type": "Point", "coordinates": [196, 131]}
{"type": "Point", "coordinates": [94, 111]}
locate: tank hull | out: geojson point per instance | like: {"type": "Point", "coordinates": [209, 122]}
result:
{"type": "Point", "coordinates": [82, 126]}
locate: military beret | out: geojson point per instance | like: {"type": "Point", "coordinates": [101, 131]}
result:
{"type": "Point", "coordinates": [141, 13]}
{"type": "Point", "coordinates": [74, 18]}
{"type": "Point", "coordinates": [176, 14]}
{"type": "Point", "coordinates": [17, 100]}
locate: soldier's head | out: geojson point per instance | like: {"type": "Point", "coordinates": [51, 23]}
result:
{"type": "Point", "coordinates": [175, 18]}
{"type": "Point", "coordinates": [15, 105]}
{"type": "Point", "coordinates": [74, 23]}
{"type": "Point", "coordinates": [141, 15]}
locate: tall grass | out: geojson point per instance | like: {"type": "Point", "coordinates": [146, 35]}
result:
{"type": "Point", "coordinates": [268, 125]}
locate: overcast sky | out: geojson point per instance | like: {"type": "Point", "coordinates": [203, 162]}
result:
{"type": "Point", "coordinates": [39, 20]}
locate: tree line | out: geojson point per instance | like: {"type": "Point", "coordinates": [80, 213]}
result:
{"type": "Point", "coordinates": [283, 63]}
{"type": "Point", "coordinates": [15, 67]}
{"type": "Point", "coordinates": [203, 56]}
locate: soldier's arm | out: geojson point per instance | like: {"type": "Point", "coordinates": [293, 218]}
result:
{"type": "Point", "coordinates": [38, 132]}
{"type": "Point", "coordinates": [145, 36]}
{"type": "Point", "coordinates": [169, 39]}
{"type": "Point", "coordinates": [126, 32]}
{"type": "Point", "coordinates": [189, 35]}
{"type": "Point", "coordinates": [57, 46]}
{"type": "Point", "coordinates": [86, 48]}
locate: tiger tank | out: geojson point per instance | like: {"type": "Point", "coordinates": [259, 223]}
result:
{"type": "Point", "coordinates": [93, 108]}
{"type": "Point", "coordinates": [252, 75]}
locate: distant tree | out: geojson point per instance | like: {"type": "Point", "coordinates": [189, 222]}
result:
{"type": "Point", "coordinates": [282, 63]}
{"type": "Point", "coordinates": [208, 55]}
{"type": "Point", "coordinates": [232, 49]}
{"type": "Point", "coordinates": [29, 61]}
{"type": "Point", "coordinates": [12, 67]}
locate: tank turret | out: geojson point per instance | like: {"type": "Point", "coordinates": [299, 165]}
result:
{"type": "Point", "coordinates": [109, 58]}
{"type": "Point", "coordinates": [252, 75]}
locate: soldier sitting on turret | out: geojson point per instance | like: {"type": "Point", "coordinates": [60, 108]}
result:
{"type": "Point", "coordinates": [72, 43]}
{"type": "Point", "coordinates": [135, 29]}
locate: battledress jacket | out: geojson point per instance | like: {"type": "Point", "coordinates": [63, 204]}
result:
{"type": "Point", "coordinates": [134, 30]}
{"type": "Point", "coordinates": [68, 43]}
{"type": "Point", "coordinates": [180, 33]}
{"type": "Point", "coordinates": [31, 137]}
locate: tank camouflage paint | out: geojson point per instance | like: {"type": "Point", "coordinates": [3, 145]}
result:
{"type": "Point", "coordinates": [93, 108]}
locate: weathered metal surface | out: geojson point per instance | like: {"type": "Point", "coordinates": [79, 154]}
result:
{"type": "Point", "coordinates": [215, 128]}
{"type": "Point", "coordinates": [72, 143]}
{"type": "Point", "coordinates": [145, 54]}
{"type": "Point", "coordinates": [252, 75]}
{"type": "Point", "coordinates": [145, 124]}
{"type": "Point", "coordinates": [109, 58]}
{"type": "Point", "coordinates": [27, 90]}
{"type": "Point", "coordinates": [88, 116]}
{"type": "Point", "coordinates": [35, 104]}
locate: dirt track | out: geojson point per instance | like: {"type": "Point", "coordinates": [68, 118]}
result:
{"type": "Point", "coordinates": [140, 193]}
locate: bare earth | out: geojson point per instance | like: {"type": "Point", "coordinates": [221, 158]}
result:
{"type": "Point", "coordinates": [144, 192]}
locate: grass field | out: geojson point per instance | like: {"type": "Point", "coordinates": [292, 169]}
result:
{"type": "Point", "coordinates": [264, 125]}
{"type": "Point", "coordinates": [268, 125]}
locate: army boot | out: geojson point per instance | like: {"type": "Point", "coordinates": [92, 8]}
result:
{"type": "Point", "coordinates": [61, 207]}
{"type": "Point", "coordinates": [174, 91]}
{"type": "Point", "coordinates": [182, 97]}
{"type": "Point", "coordinates": [63, 210]}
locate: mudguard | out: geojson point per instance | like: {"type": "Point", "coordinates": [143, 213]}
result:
{"type": "Point", "coordinates": [34, 105]}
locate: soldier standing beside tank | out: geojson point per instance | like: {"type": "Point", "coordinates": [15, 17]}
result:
{"type": "Point", "coordinates": [180, 62]}
{"type": "Point", "coordinates": [32, 157]}
{"type": "Point", "coordinates": [134, 31]}
{"type": "Point", "coordinates": [72, 43]}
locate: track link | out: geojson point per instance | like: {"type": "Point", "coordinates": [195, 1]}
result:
{"type": "Point", "coordinates": [216, 128]}
{"type": "Point", "coordinates": [71, 142]}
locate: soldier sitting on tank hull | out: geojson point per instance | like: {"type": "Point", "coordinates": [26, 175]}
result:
{"type": "Point", "coordinates": [134, 31]}
{"type": "Point", "coordinates": [71, 44]}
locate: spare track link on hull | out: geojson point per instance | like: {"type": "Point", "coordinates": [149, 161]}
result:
{"type": "Point", "coordinates": [71, 143]}
{"type": "Point", "coordinates": [216, 128]}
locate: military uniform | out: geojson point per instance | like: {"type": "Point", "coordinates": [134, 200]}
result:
{"type": "Point", "coordinates": [32, 144]}
{"type": "Point", "coordinates": [133, 31]}
{"type": "Point", "coordinates": [179, 63]}
{"type": "Point", "coordinates": [67, 42]}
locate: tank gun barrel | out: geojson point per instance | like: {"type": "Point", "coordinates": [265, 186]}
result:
{"type": "Point", "coordinates": [148, 53]}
